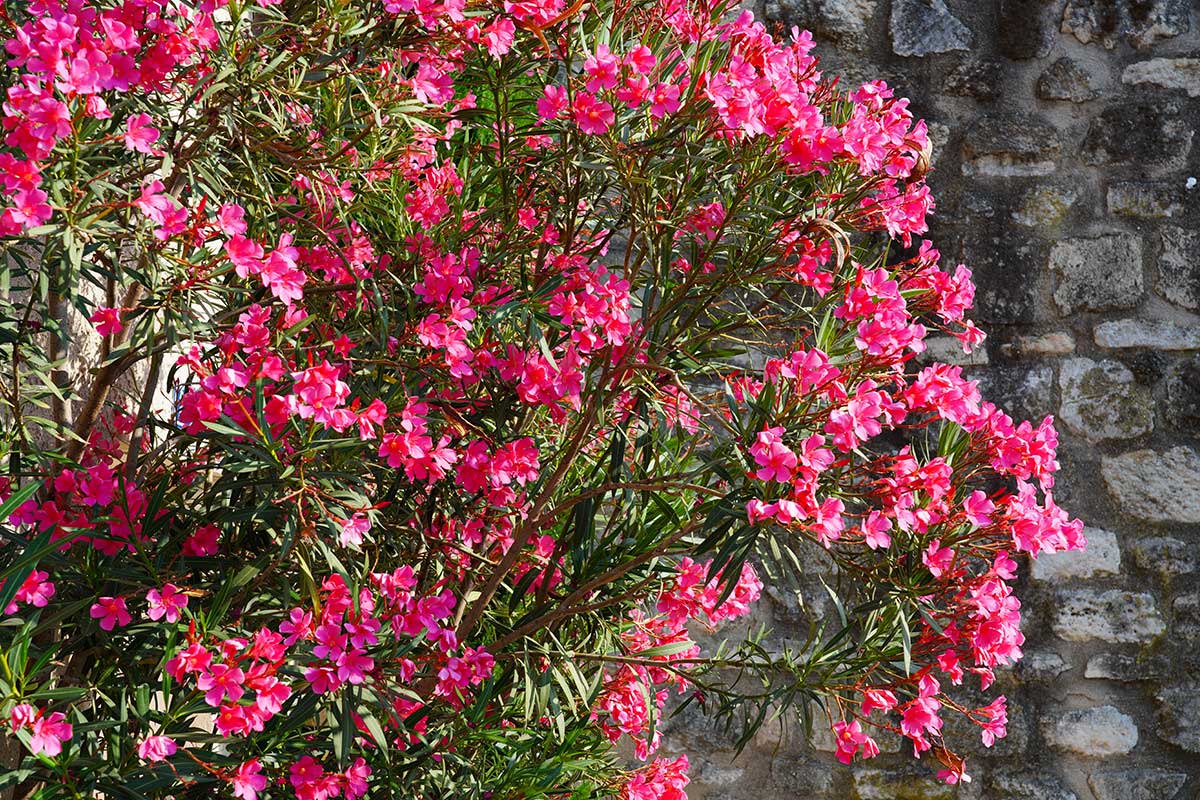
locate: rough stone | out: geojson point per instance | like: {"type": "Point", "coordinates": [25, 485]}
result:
{"type": "Point", "coordinates": [1165, 555]}
{"type": "Point", "coordinates": [1010, 146]}
{"type": "Point", "coordinates": [714, 775]}
{"type": "Point", "coordinates": [922, 27]}
{"type": "Point", "coordinates": [1179, 715]}
{"type": "Point", "coordinates": [1141, 133]}
{"type": "Point", "coordinates": [1124, 668]}
{"type": "Point", "coordinates": [800, 776]}
{"type": "Point", "coordinates": [1136, 784]}
{"type": "Point", "coordinates": [1055, 343]}
{"type": "Point", "coordinates": [1169, 73]}
{"type": "Point", "coordinates": [1141, 22]}
{"type": "Point", "coordinates": [1155, 485]}
{"type": "Point", "coordinates": [1017, 784]}
{"type": "Point", "coordinates": [948, 350]}
{"type": "Point", "coordinates": [1186, 609]}
{"type": "Point", "coordinates": [1102, 401]}
{"type": "Point", "coordinates": [1041, 666]}
{"type": "Point", "coordinates": [1179, 267]}
{"type": "Point", "coordinates": [1044, 206]}
{"type": "Point", "coordinates": [1024, 393]}
{"type": "Point", "coordinates": [978, 79]}
{"type": "Point", "coordinates": [1145, 200]}
{"type": "Point", "coordinates": [1025, 28]}
{"type": "Point", "coordinates": [1066, 80]}
{"type": "Point", "coordinates": [1099, 731]}
{"type": "Point", "coordinates": [1006, 267]}
{"type": "Point", "coordinates": [1097, 274]}
{"type": "Point", "coordinates": [1102, 557]}
{"type": "Point", "coordinates": [843, 22]}
{"type": "Point", "coordinates": [1183, 398]}
{"type": "Point", "coordinates": [1159, 334]}
{"type": "Point", "coordinates": [898, 784]}
{"type": "Point", "coordinates": [1111, 616]}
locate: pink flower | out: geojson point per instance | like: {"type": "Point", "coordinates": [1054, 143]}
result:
{"type": "Point", "coordinates": [204, 542]}
{"type": "Point", "coordinates": [156, 748]}
{"type": "Point", "coordinates": [111, 612]}
{"type": "Point", "coordinates": [979, 508]}
{"type": "Point", "coordinates": [775, 460]}
{"type": "Point", "coordinates": [219, 682]}
{"type": "Point", "coordinates": [592, 116]}
{"type": "Point", "coordinates": [640, 59]}
{"type": "Point", "coordinates": [36, 590]}
{"type": "Point", "coordinates": [231, 219]}
{"type": "Point", "coordinates": [602, 69]}
{"type": "Point", "coordinates": [107, 320]}
{"type": "Point", "coordinates": [351, 530]}
{"type": "Point", "coordinates": [937, 558]}
{"type": "Point", "coordinates": [247, 782]}
{"type": "Point", "coordinates": [659, 780]}
{"type": "Point", "coordinates": [664, 100]}
{"type": "Point", "coordinates": [995, 721]}
{"type": "Point", "coordinates": [356, 779]}
{"type": "Point", "coordinates": [166, 602]}
{"type": "Point", "coordinates": [30, 208]}
{"type": "Point", "coordinates": [49, 732]}
{"type": "Point", "coordinates": [141, 136]}
{"type": "Point", "coordinates": [878, 698]}
{"type": "Point", "coordinates": [552, 103]}
{"type": "Point", "coordinates": [875, 530]}
{"type": "Point", "coordinates": [22, 716]}
{"type": "Point", "coordinates": [849, 737]}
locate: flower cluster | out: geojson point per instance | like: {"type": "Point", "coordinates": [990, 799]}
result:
{"type": "Point", "coordinates": [420, 440]}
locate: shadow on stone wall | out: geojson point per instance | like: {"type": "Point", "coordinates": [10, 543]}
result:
{"type": "Point", "coordinates": [1066, 179]}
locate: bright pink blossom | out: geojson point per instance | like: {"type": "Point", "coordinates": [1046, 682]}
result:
{"type": "Point", "coordinates": [156, 748]}
{"type": "Point", "coordinates": [167, 602]}
{"type": "Point", "coordinates": [111, 611]}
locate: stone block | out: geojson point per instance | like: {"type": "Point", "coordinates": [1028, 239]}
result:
{"type": "Point", "coordinates": [1140, 22]}
{"type": "Point", "coordinates": [1011, 146]}
{"type": "Point", "coordinates": [904, 783]}
{"type": "Point", "coordinates": [1146, 199]}
{"type": "Point", "coordinates": [1101, 400]}
{"type": "Point", "coordinates": [1017, 783]}
{"type": "Point", "coordinates": [1066, 80]}
{"type": "Point", "coordinates": [1179, 714]}
{"type": "Point", "coordinates": [1097, 274]}
{"type": "Point", "coordinates": [1124, 668]}
{"type": "Point", "coordinates": [924, 27]}
{"type": "Point", "coordinates": [1155, 334]}
{"type": "Point", "coordinates": [1097, 732]}
{"type": "Point", "coordinates": [1025, 28]}
{"type": "Point", "coordinates": [1136, 784]}
{"type": "Point", "coordinates": [1165, 555]}
{"type": "Point", "coordinates": [1041, 666]}
{"type": "Point", "coordinates": [846, 23]}
{"type": "Point", "coordinates": [1114, 616]}
{"type": "Point", "coordinates": [1044, 206]}
{"type": "Point", "coordinates": [1022, 392]}
{"type": "Point", "coordinates": [1155, 485]}
{"type": "Point", "coordinates": [1182, 74]}
{"type": "Point", "coordinates": [1139, 133]}
{"type": "Point", "coordinates": [1186, 622]}
{"type": "Point", "coordinates": [1055, 343]}
{"type": "Point", "coordinates": [948, 350]}
{"type": "Point", "coordinates": [1183, 398]}
{"type": "Point", "coordinates": [979, 79]}
{"type": "Point", "coordinates": [1102, 557]}
{"type": "Point", "coordinates": [1179, 267]}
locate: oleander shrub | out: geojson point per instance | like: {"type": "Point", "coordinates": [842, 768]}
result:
{"type": "Point", "coordinates": [392, 392]}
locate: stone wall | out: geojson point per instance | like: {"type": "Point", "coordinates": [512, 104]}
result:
{"type": "Point", "coordinates": [1064, 154]}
